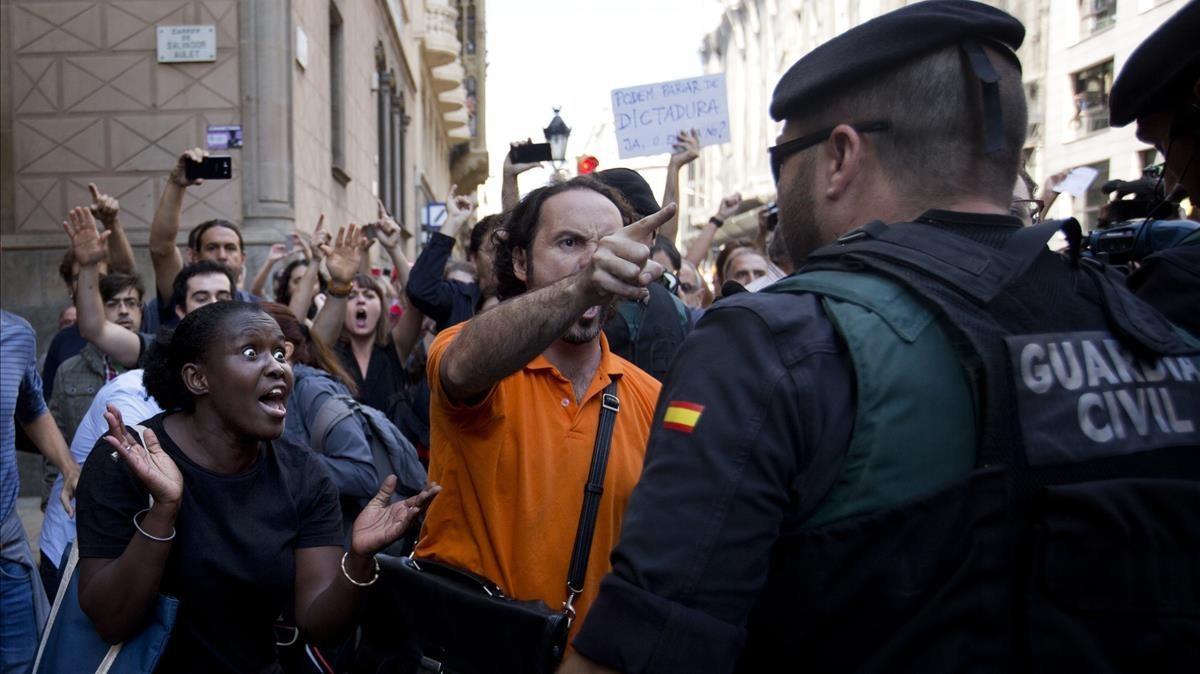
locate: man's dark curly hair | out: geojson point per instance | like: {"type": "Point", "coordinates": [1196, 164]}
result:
{"type": "Point", "coordinates": [190, 342]}
{"type": "Point", "coordinates": [521, 225]}
{"type": "Point", "coordinates": [481, 231]}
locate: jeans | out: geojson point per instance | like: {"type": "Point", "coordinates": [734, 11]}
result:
{"type": "Point", "coordinates": [18, 627]}
{"type": "Point", "coordinates": [23, 605]}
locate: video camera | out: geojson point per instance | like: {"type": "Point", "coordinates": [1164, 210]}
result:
{"type": "Point", "coordinates": [1136, 227]}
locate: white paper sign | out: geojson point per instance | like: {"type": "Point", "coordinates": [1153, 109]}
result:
{"type": "Point", "coordinates": [648, 117]}
{"type": "Point", "coordinates": [1077, 181]}
{"type": "Point", "coordinates": [187, 44]}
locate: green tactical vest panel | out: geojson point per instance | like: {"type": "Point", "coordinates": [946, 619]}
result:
{"type": "Point", "coordinates": [914, 430]}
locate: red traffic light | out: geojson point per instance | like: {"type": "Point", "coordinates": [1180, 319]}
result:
{"type": "Point", "coordinates": [585, 164]}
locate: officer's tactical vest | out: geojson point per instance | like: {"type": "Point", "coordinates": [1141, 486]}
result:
{"type": "Point", "coordinates": [1022, 488]}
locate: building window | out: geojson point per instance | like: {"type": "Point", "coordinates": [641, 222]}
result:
{"type": "Point", "coordinates": [470, 45]}
{"type": "Point", "coordinates": [396, 203]}
{"type": "Point", "coordinates": [337, 118]}
{"type": "Point", "coordinates": [383, 116]}
{"type": "Point", "coordinates": [1095, 199]}
{"type": "Point", "coordinates": [1096, 15]}
{"type": "Point", "coordinates": [1147, 157]}
{"type": "Point", "coordinates": [1033, 132]}
{"type": "Point", "coordinates": [1091, 87]}
{"type": "Point", "coordinates": [472, 105]}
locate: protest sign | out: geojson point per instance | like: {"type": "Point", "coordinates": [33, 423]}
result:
{"type": "Point", "coordinates": [648, 117]}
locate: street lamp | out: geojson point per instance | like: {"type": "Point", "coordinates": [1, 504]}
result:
{"type": "Point", "coordinates": [557, 134]}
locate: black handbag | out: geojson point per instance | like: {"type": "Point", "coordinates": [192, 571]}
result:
{"type": "Point", "coordinates": [424, 616]}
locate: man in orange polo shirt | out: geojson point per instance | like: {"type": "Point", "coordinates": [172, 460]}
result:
{"type": "Point", "coordinates": [516, 397]}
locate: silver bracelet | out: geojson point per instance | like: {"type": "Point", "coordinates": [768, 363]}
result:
{"type": "Point", "coordinates": [346, 573]}
{"type": "Point", "coordinates": [143, 531]}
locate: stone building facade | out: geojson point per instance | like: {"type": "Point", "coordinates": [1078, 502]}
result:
{"type": "Point", "coordinates": [1071, 53]}
{"type": "Point", "coordinates": [340, 102]}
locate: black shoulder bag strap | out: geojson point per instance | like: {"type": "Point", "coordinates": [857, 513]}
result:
{"type": "Point", "coordinates": [609, 406]}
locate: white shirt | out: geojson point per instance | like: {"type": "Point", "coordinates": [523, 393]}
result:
{"type": "Point", "coordinates": [128, 395]}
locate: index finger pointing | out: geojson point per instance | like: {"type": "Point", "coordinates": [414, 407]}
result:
{"type": "Point", "coordinates": [642, 229]}
{"type": "Point", "coordinates": [95, 191]}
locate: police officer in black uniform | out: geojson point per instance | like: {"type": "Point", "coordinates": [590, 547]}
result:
{"type": "Point", "coordinates": [1159, 86]}
{"type": "Point", "coordinates": [938, 446]}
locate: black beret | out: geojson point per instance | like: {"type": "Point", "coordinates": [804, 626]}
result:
{"type": "Point", "coordinates": [633, 187]}
{"type": "Point", "coordinates": [888, 41]}
{"type": "Point", "coordinates": [1161, 71]}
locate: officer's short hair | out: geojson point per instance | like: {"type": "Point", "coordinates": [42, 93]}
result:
{"type": "Point", "coordinates": [935, 146]}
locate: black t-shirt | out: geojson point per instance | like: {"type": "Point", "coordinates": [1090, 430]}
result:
{"type": "Point", "coordinates": [232, 564]}
{"type": "Point", "coordinates": [385, 374]}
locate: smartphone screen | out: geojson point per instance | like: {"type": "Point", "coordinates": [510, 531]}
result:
{"type": "Point", "coordinates": [218, 167]}
{"type": "Point", "coordinates": [530, 152]}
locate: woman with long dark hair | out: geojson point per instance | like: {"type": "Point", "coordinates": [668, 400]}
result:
{"type": "Point", "coordinates": [205, 508]}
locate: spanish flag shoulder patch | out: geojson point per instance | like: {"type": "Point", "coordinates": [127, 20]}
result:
{"type": "Point", "coordinates": [682, 416]}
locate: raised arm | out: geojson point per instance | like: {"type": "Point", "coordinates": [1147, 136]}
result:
{"type": "Point", "coordinates": [87, 245]}
{"type": "Point", "coordinates": [277, 252]}
{"type": "Point", "coordinates": [427, 288]}
{"type": "Point", "coordinates": [165, 227]}
{"type": "Point", "coordinates": [510, 193]}
{"type": "Point", "coordinates": [303, 297]}
{"type": "Point", "coordinates": [1049, 195]}
{"type": "Point", "coordinates": [502, 340]}
{"type": "Point", "coordinates": [341, 259]}
{"type": "Point", "coordinates": [687, 149]}
{"type": "Point", "coordinates": [698, 250]}
{"type": "Point", "coordinates": [117, 594]}
{"type": "Point", "coordinates": [388, 235]}
{"type": "Point", "coordinates": [107, 211]}
{"type": "Point", "coordinates": [329, 582]}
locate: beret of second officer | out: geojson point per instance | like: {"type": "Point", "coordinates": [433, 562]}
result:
{"type": "Point", "coordinates": [1160, 72]}
{"type": "Point", "coordinates": [894, 38]}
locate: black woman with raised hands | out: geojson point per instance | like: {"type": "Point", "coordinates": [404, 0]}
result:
{"type": "Point", "coordinates": [204, 508]}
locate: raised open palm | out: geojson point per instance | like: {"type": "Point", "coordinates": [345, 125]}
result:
{"type": "Point", "coordinates": [153, 467]}
{"type": "Point", "coordinates": [380, 523]}
{"type": "Point", "coordinates": [88, 245]}
{"type": "Point", "coordinates": [343, 256]}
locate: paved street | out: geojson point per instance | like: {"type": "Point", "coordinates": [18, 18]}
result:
{"type": "Point", "coordinates": [29, 508]}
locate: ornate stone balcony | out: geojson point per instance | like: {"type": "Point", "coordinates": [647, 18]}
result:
{"type": "Point", "coordinates": [457, 118]}
{"type": "Point", "coordinates": [448, 77]}
{"type": "Point", "coordinates": [441, 45]}
{"type": "Point", "coordinates": [455, 99]}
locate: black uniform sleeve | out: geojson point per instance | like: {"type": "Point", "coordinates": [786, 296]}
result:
{"type": "Point", "coordinates": [320, 513]}
{"type": "Point", "coordinates": [108, 497]}
{"type": "Point", "coordinates": [427, 288]}
{"type": "Point", "coordinates": [776, 388]}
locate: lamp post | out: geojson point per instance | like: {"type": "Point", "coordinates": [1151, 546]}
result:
{"type": "Point", "coordinates": [557, 134]}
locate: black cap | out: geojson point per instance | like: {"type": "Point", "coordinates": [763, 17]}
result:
{"type": "Point", "coordinates": [633, 187]}
{"type": "Point", "coordinates": [895, 38]}
{"type": "Point", "coordinates": [1161, 71]}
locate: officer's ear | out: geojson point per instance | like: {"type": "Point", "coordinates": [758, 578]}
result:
{"type": "Point", "coordinates": [843, 158]}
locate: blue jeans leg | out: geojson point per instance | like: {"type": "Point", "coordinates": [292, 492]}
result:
{"type": "Point", "coordinates": [18, 627]}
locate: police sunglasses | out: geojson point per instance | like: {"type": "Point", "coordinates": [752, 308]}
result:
{"type": "Point", "coordinates": [780, 153]}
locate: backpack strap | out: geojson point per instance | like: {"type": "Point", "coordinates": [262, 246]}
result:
{"type": "Point", "coordinates": [332, 411]}
{"type": "Point", "coordinates": [610, 404]}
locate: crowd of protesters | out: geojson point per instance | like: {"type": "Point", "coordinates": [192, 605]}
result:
{"type": "Point", "coordinates": [249, 446]}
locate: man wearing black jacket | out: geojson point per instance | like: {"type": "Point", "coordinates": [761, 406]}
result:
{"type": "Point", "coordinates": [449, 302]}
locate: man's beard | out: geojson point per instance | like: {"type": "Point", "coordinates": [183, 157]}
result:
{"type": "Point", "coordinates": [583, 330]}
{"type": "Point", "coordinates": [801, 232]}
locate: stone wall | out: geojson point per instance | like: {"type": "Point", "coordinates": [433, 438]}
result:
{"type": "Point", "coordinates": [84, 100]}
